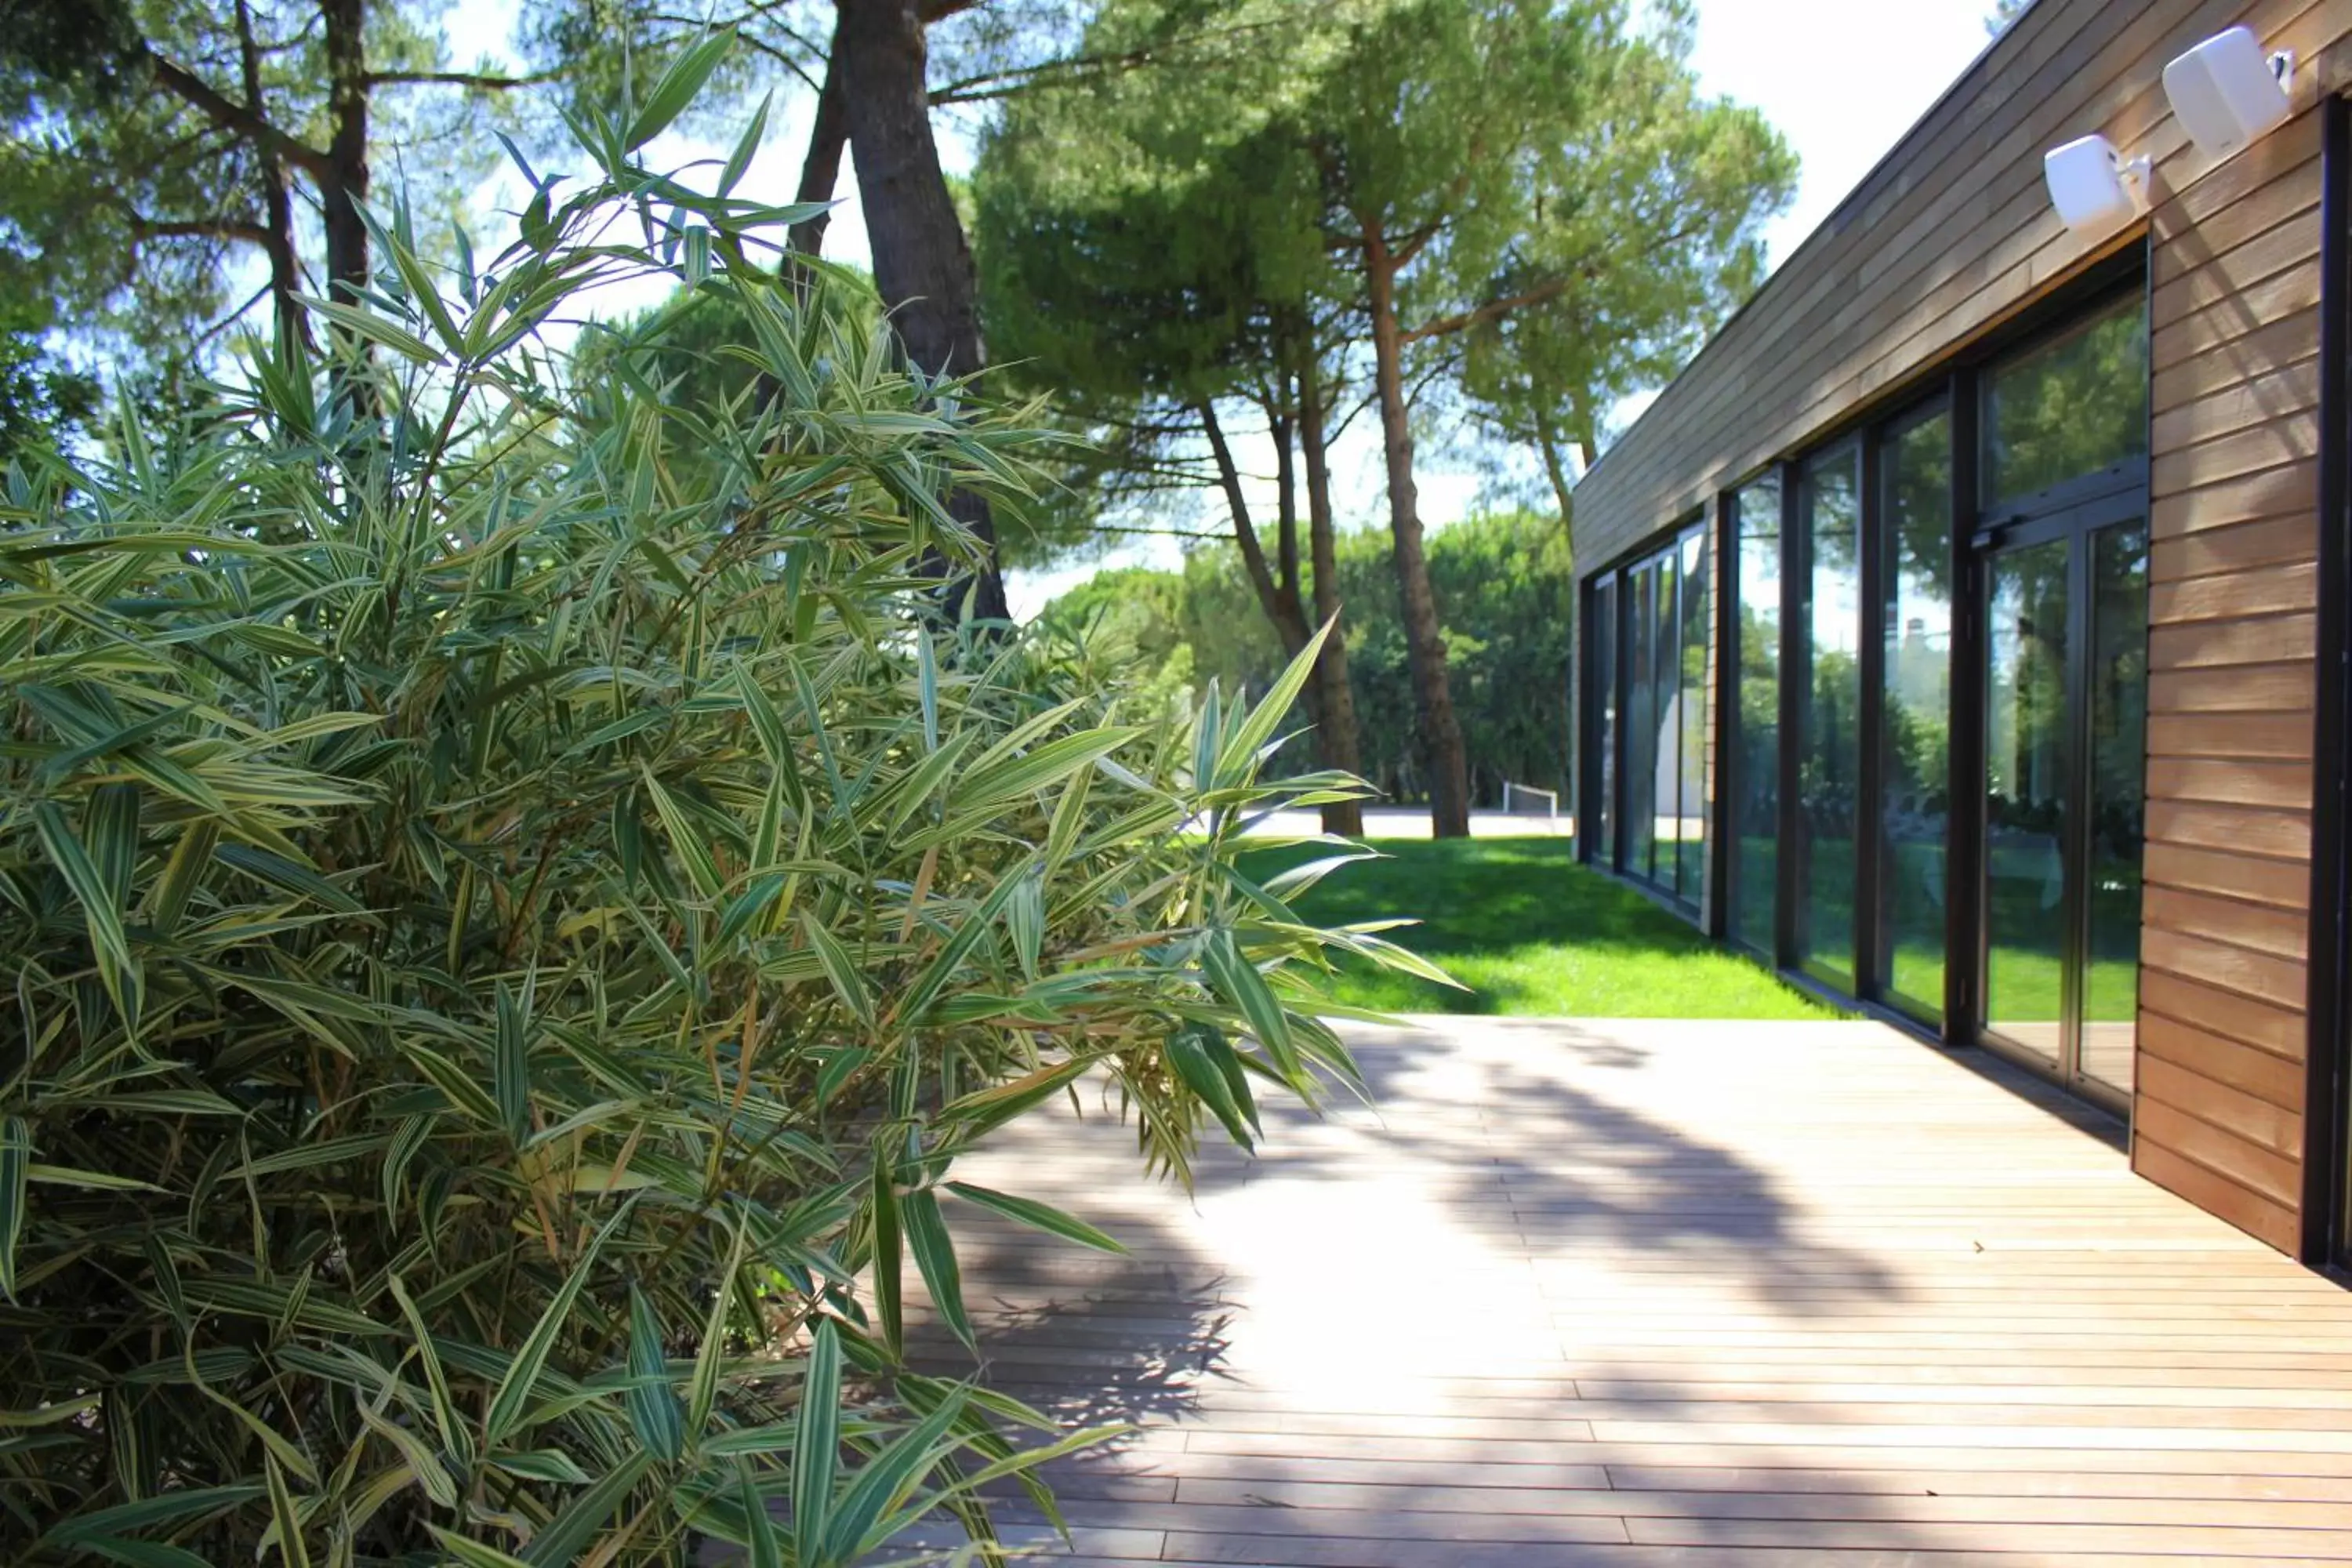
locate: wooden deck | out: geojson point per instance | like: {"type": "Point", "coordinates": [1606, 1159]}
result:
{"type": "Point", "coordinates": [1670, 1293]}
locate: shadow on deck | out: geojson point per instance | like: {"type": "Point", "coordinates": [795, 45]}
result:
{"type": "Point", "coordinates": [1663, 1292]}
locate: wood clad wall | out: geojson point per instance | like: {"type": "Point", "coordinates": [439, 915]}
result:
{"type": "Point", "coordinates": [1945, 241]}
{"type": "Point", "coordinates": [2234, 290]}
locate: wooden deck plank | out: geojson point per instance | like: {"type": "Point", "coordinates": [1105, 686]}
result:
{"type": "Point", "coordinates": [1670, 1294]}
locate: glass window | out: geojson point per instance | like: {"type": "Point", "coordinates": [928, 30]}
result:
{"type": "Point", "coordinates": [1653, 617]}
{"type": "Point", "coordinates": [2119, 765]}
{"type": "Point", "coordinates": [1605, 738]}
{"type": "Point", "coordinates": [1915, 811]}
{"type": "Point", "coordinates": [1665, 721]}
{"type": "Point", "coordinates": [1756, 721]}
{"type": "Point", "coordinates": [2070, 407]}
{"type": "Point", "coordinates": [1829, 755]}
{"type": "Point", "coordinates": [2028, 764]}
{"type": "Point", "coordinates": [1691, 710]}
{"type": "Point", "coordinates": [1641, 806]}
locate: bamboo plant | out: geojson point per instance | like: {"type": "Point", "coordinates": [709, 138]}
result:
{"type": "Point", "coordinates": [517, 898]}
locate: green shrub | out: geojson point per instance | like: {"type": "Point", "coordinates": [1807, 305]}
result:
{"type": "Point", "coordinates": [517, 901]}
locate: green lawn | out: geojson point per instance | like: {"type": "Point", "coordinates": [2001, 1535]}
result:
{"type": "Point", "coordinates": [1534, 934]}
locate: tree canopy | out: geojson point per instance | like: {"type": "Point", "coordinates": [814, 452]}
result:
{"type": "Point", "coordinates": [155, 151]}
{"type": "Point", "coordinates": [1516, 208]}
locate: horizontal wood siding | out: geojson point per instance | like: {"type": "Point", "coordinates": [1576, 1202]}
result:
{"type": "Point", "coordinates": [1950, 238]}
{"type": "Point", "coordinates": [2234, 285]}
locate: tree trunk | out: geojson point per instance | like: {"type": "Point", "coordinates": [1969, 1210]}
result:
{"type": "Point", "coordinates": [278, 205]}
{"type": "Point", "coordinates": [1343, 747]}
{"type": "Point", "coordinates": [1280, 422]}
{"type": "Point", "coordinates": [821, 169]}
{"type": "Point", "coordinates": [1556, 471]}
{"type": "Point", "coordinates": [1438, 730]}
{"type": "Point", "coordinates": [1278, 599]}
{"type": "Point", "coordinates": [346, 186]}
{"type": "Point", "coordinates": [922, 267]}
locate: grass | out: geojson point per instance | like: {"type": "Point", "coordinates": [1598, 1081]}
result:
{"type": "Point", "coordinates": [1533, 934]}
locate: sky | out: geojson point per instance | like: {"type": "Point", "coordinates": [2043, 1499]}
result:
{"type": "Point", "coordinates": [1842, 79]}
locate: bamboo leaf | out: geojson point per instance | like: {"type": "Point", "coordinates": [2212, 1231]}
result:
{"type": "Point", "coordinates": [934, 1250]}
{"type": "Point", "coordinates": [1238, 980]}
{"type": "Point", "coordinates": [816, 1442]}
{"type": "Point", "coordinates": [1194, 1051]}
{"type": "Point", "coordinates": [515, 1388]}
{"type": "Point", "coordinates": [969, 935]}
{"type": "Point", "coordinates": [472, 1554]}
{"type": "Point", "coordinates": [992, 784]}
{"type": "Point", "coordinates": [653, 1405]}
{"type": "Point", "coordinates": [860, 1522]}
{"type": "Point", "coordinates": [100, 914]}
{"type": "Point", "coordinates": [746, 146]}
{"type": "Point", "coordinates": [1038, 1217]}
{"type": "Point", "coordinates": [16, 1160]}
{"type": "Point", "coordinates": [543, 1465]}
{"type": "Point", "coordinates": [281, 872]}
{"type": "Point", "coordinates": [888, 1299]}
{"type": "Point", "coordinates": [983, 1109]}
{"type": "Point", "coordinates": [167, 1510]}
{"type": "Point", "coordinates": [701, 869]}
{"type": "Point", "coordinates": [286, 1526]}
{"type": "Point", "coordinates": [1257, 730]}
{"type": "Point", "coordinates": [840, 968]}
{"type": "Point", "coordinates": [711, 1355]}
{"type": "Point", "coordinates": [511, 1063]}
{"type": "Point", "coordinates": [678, 87]}
{"type": "Point", "coordinates": [759, 1539]}
{"type": "Point", "coordinates": [456, 1438]}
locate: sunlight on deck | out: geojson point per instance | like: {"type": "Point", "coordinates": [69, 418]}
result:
{"type": "Point", "coordinates": [1669, 1292]}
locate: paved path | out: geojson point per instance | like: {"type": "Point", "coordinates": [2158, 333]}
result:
{"type": "Point", "coordinates": [1763, 1295]}
{"type": "Point", "coordinates": [1412, 821]}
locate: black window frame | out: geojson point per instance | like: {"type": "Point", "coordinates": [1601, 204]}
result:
{"type": "Point", "coordinates": [1613, 796]}
{"type": "Point", "coordinates": [1881, 581]}
{"type": "Point", "coordinates": [1730, 745]}
{"type": "Point", "coordinates": [2326, 1241]}
{"type": "Point", "coordinates": [1953, 387]}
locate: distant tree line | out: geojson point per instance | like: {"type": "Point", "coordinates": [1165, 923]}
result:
{"type": "Point", "coordinates": [1503, 590]}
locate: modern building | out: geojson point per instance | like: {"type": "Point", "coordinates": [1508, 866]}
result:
{"type": "Point", "coordinates": [1965, 630]}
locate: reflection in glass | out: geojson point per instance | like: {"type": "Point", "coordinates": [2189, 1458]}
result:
{"type": "Point", "coordinates": [2118, 697]}
{"type": "Point", "coordinates": [1916, 740]}
{"type": "Point", "coordinates": [1604, 690]}
{"type": "Point", "coordinates": [1829, 765]}
{"type": "Point", "coordinates": [2072, 407]}
{"type": "Point", "coordinates": [1654, 614]}
{"type": "Point", "coordinates": [1665, 720]}
{"type": "Point", "coordinates": [1755, 779]}
{"type": "Point", "coordinates": [1690, 804]}
{"type": "Point", "coordinates": [2025, 797]}
{"type": "Point", "coordinates": [1640, 721]}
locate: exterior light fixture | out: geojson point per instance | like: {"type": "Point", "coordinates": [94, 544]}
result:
{"type": "Point", "coordinates": [2227, 94]}
{"type": "Point", "coordinates": [2094, 191]}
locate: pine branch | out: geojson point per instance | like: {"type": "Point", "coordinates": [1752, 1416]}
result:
{"type": "Point", "coordinates": [231, 115]}
{"type": "Point", "coordinates": [458, 78]}
{"type": "Point", "coordinates": [1492, 310]}
{"type": "Point", "coordinates": [200, 228]}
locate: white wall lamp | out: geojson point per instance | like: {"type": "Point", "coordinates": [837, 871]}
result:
{"type": "Point", "coordinates": [2093, 189]}
{"type": "Point", "coordinates": [2227, 94]}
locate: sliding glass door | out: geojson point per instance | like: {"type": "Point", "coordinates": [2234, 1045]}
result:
{"type": "Point", "coordinates": [2064, 802]}
{"type": "Point", "coordinates": [1829, 717]}
{"type": "Point", "coordinates": [2064, 554]}
{"type": "Point", "coordinates": [1915, 713]}
{"type": "Point", "coordinates": [1648, 816]}
{"type": "Point", "coordinates": [1933, 694]}
{"type": "Point", "coordinates": [2028, 773]}
{"type": "Point", "coordinates": [1753, 718]}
